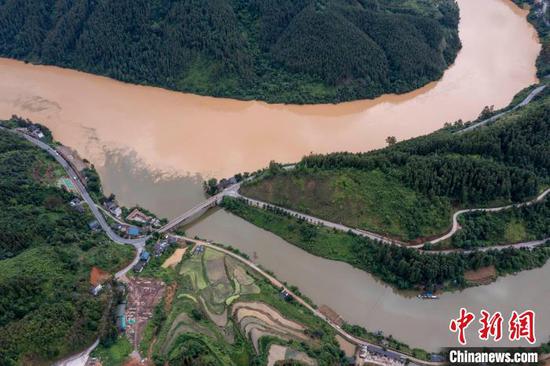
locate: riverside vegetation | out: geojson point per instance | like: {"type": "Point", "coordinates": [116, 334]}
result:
{"type": "Point", "coordinates": [294, 51]}
{"type": "Point", "coordinates": [409, 189]}
{"type": "Point", "coordinates": [401, 267]}
{"type": "Point", "coordinates": [46, 254]}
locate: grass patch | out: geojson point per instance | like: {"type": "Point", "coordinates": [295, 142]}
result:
{"type": "Point", "coordinates": [115, 354]}
{"type": "Point", "coordinates": [369, 200]}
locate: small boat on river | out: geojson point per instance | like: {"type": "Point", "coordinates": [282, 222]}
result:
{"type": "Point", "coordinates": [427, 296]}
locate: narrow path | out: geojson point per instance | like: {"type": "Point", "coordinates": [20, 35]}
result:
{"type": "Point", "coordinates": [278, 284]}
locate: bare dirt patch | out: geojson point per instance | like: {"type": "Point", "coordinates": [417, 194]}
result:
{"type": "Point", "coordinates": [331, 315]}
{"type": "Point", "coordinates": [143, 295]}
{"type": "Point", "coordinates": [175, 258]}
{"type": "Point", "coordinates": [346, 346]}
{"type": "Point", "coordinates": [169, 298]}
{"type": "Point", "coordinates": [98, 276]}
{"type": "Point", "coordinates": [276, 353]}
{"type": "Point", "coordinates": [482, 276]}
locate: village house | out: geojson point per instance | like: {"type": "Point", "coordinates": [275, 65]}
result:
{"type": "Point", "coordinates": [160, 248]}
{"type": "Point", "coordinates": [121, 317]}
{"type": "Point", "coordinates": [133, 231]}
{"type": "Point", "coordinates": [113, 208]}
{"type": "Point", "coordinates": [97, 289]}
{"type": "Point", "coordinates": [138, 216]}
{"type": "Point", "coordinates": [94, 225]}
{"type": "Point", "coordinates": [35, 131]}
{"type": "Point", "coordinates": [138, 267]}
{"type": "Point", "coordinates": [76, 204]}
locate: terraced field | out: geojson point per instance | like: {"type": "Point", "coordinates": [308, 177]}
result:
{"type": "Point", "coordinates": [224, 314]}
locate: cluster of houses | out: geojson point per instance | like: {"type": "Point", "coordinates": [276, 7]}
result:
{"type": "Point", "coordinates": [142, 222]}
{"type": "Point", "coordinates": [381, 356]}
{"type": "Point", "coordinates": [158, 249]}
{"type": "Point", "coordinates": [161, 246]}
{"type": "Point", "coordinates": [34, 131]}
{"type": "Point", "coordinates": [144, 258]}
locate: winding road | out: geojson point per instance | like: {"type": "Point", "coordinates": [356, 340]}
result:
{"type": "Point", "coordinates": [386, 240]}
{"type": "Point", "coordinates": [80, 359]}
{"type": "Point", "coordinates": [233, 191]}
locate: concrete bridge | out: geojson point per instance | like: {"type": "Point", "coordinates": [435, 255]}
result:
{"type": "Point", "coordinates": [200, 209]}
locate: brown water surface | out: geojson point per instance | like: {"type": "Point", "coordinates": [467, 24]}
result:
{"type": "Point", "coordinates": [153, 147]}
{"type": "Point", "coordinates": [187, 134]}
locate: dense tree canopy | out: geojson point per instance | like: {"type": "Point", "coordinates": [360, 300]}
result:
{"type": "Point", "coordinates": [283, 50]}
{"type": "Point", "coordinates": [46, 253]}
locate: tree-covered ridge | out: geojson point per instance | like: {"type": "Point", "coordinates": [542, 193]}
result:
{"type": "Point", "coordinates": [300, 51]}
{"type": "Point", "coordinates": [506, 162]}
{"type": "Point", "coordinates": [46, 254]}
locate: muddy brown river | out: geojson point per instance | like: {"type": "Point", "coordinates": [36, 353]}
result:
{"type": "Point", "coordinates": [154, 147]}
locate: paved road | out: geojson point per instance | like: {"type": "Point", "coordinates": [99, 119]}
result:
{"type": "Point", "coordinates": [138, 243]}
{"type": "Point", "coordinates": [81, 358]}
{"type": "Point", "coordinates": [278, 284]}
{"type": "Point", "coordinates": [315, 220]}
{"type": "Point", "coordinates": [526, 101]}
{"type": "Point", "coordinates": [456, 225]}
{"type": "Point", "coordinates": [78, 359]}
{"type": "Point", "coordinates": [387, 240]}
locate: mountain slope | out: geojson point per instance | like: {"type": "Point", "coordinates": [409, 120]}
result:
{"type": "Point", "coordinates": [300, 51]}
{"type": "Point", "coordinates": [407, 190]}
{"type": "Point", "coordinates": [46, 254]}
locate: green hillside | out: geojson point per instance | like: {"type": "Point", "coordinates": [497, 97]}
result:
{"type": "Point", "coordinates": [407, 190]}
{"type": "Point", "coordinates": [299, 51]}
{"type": "Point", "coordinates": [46, 254]}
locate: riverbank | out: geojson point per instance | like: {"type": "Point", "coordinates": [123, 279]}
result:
{"type": "Point", "coordinates": [399, 266]}
{"type": "Point", "coordinates": [47, 254]}
{"type": "Point", "coordinates": [280, 53]}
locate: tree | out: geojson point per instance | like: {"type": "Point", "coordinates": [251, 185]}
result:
{"type": "Point", "coordinates": [391, 140]}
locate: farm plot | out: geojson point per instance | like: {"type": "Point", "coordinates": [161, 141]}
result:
{"type": "Point", "coordinates": [226, 308]}
{"type": "Point", "coordinates": [282, 353]}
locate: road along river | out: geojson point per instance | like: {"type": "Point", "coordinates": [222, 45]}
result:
{"type": "Point", "coordinates": [154, 147]}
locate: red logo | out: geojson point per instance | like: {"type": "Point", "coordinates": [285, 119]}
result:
{"type": "Point", "coordinates": [491, 326]}
{"type": "Point", "coordinates": [520, 326]}
{"type": "Point", "coordinates": [459, 325]}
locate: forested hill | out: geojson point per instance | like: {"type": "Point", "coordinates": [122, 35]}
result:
{"type": "Point", "coordinates": [299, 51]}
{"type": "Point", "coordinates": [408, 190]}
{"type": "Point", "coordinates": [46, 254]}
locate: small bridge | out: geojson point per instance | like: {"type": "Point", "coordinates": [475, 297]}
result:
{"type": "Point", "coordinates": [199, 209]}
